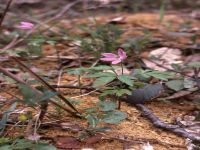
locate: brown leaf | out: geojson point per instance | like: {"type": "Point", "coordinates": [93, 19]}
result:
{"type": "Point", "coordinates": [67, 142]}
{"type": "Point", "coordinates": [93, 139]}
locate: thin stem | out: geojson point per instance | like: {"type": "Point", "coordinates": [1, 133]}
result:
{"type": "Point", "coordinates": [114, 71]}
{"type": "Point", "coordinates": [122, 67]}
{"type": "Point", "coordinates": [119, 103]}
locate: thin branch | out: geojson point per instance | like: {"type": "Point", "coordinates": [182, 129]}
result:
{"type": "Point", "coordinates": [44, 83]}
{"type": "Point", "coordinates": [74, 87]}
{"type": "Point", "coordinates": [12, 76]}
{"type": "Point", "coordinates": [5, 11]}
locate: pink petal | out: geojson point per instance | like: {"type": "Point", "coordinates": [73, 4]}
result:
{"type": "Point", "coordinates": [116, 61]}
{"type": "Point", "coordinates": [26, 23]}
{"type": "Point", "coordinates": [122, 54]}
{"type": "Point", "coordinates": [108, 59]}
{"type": "Point", "coordinates": [109, 55]}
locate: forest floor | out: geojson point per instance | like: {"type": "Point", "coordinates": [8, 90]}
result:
{"type": "Point", "coordinates": [171, 32]}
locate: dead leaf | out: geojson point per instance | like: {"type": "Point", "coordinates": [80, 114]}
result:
{"type": "Point", "coordinates": [67, 142]}
{"type": "Point", "coordinates": [93, 139]}
{"type": "Point", "coordinates": [70, 126]}
{"type": "Point", "coordinates": [164, 56]}
{"type": "Point", "coordinates": [117, 20]}
{"type": "Point", "coordinates": [178, 94]}
{"type": "Point", "coordinates": [147, 146]}
{"type": "Point", "coordinates": [195, 14]}
{"type": "Point", "coordinates": [192, 58]}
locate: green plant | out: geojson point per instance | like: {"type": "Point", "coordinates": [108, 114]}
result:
{"type": "Point", "coordinates": [105, 111]}
{"type": "Point", "coordinates": [21, 144]}
{"type": "Point", "coordinates": [138, 43]}
{"type": "Point", "coordinates": [104, 38]}
{"type": "Point", "coordinates": [162, 11]}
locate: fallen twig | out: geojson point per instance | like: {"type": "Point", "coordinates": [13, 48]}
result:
{"type": "Point", "coordinates": [44, 83]}
{"type": "Point", "coordinates": [173, 128]}
{"type": "Point", "coordinates": [9, 74]}
{"type": "Point", "coordinates": [136, 140]}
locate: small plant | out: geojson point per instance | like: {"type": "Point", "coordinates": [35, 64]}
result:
{"type": "Point", "coordinates": [110, 83]}
{"type": "Point", "coordinates": [107, 78]}
{"type": "Point", "coordinates": [138, 43]}
{"type": "Point", "coordinates": [103, 39]}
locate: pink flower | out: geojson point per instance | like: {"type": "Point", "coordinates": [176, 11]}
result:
{"type": "Point", "coordinates": [115, 59]}
{"type": "Point", "coordinates": [25, 25]}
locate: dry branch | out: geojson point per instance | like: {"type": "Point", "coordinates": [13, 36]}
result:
{"type": "Point", "coordinates": [160, 124]}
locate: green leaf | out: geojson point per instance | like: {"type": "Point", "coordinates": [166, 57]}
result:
{"type": "Point", "coordinates": [31, 97]}
{"type": "Point", "coordinates": [6, 147]}
{"type": "Point", "coordinates": [189, 83]}
{"type": "Point", "coordinates": [90, 110]}
{"type": "Point", "coordinates": [92, 120]}
{"type": "Point", "coordinates": [47, 95]}
{"type": "Point", "coordinates": [126, 79]}
{"type": "Point", "coordinates": [121, 92]}
{"type": "Point", "coordinates": [4, 140]}
{"type": "Point", "coordinates": [77, 71]}
{"type": "Point", "coordinates": [5, 117]}
{"type": "Point", "coordinates": [194, 65]}
{"type": "Point", "coordinates": [101, 67]}
{"type": "Point", "coordinates": [108, 92]}
{"type": "Point", "coordinates": [22, 144]}
{"type": "Point", "coordinates": [117, 92]}
{"type": "Point", "coordinates": [176, 67]}
{"type": "Point", "coordinates": [43, 146]}
{"type": "Point", "coordinates": [100, 74]}
{"type": "Point", "coordinates": [160, 75]}
{"type": "Point", "coordinates": [114, 117]}
{"type": "Point", "coordinates": [141, 75]}
{"type": "Point", "coordinates": [162, 11]}
{"type": "Point", "coordinates": [176, 85]}
{"type": "Point", "coordinates": [103, 81]}
{"type": "Point", "coordinates": [107, 105]}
